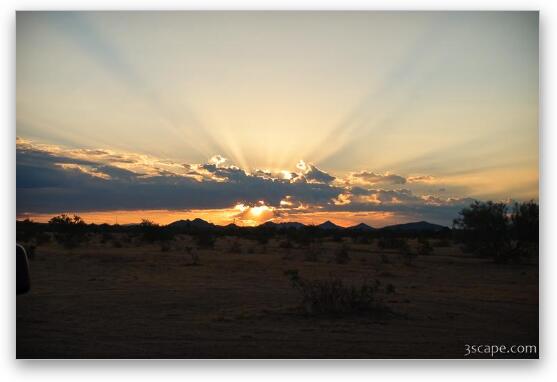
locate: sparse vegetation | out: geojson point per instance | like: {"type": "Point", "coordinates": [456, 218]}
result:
{"type": "Point", "coordinates": [235, 247]}
{"type": "Point", "coordinates": [286, 244]}
{"type": "Point", "coordinates": [106, 237]}
{"type": "Point", "coordinates": [313, 253]}
{"type": "Point", "coordinates": [442, 243]}
{"type": "Point", "coordinates": [424, 247]}
{"type": "Point", "coordinates": [390, 289]}
{"type": "Point", "coordinates": [392, 242]}
{"type": "Point", "coordinates": [333, 297]}
{"type": "Point", "coordinates": [205, 240]}
{"type": "Point", "coordinates": [152, 232]}
{"type": "Point", "coordinates": [342, 256]}
{"type": "Point", "coordinates": [385, 259]}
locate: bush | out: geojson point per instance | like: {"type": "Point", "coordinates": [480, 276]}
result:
{"type": "Point", "coordinates": [342, 256]}
{"type": "Point", "coordinates": [235, 247]}
{"type": "Point", "coordinates": [333, 297]}
{"type": "Point", "coordinates": [424, 247]}
{"type": "Point", "coordinates": [392, 243]}
{"type": "Point", "coordinates": [205, 240]}
{"type": "Point", "coordinates": [337, 238]}
{"type": "Point", "coordinates": [362, 240]}
{"type": "Point", "coordinates": [312, 254]}
{"type": "Point", "coordinates": [408, 257]}
{"type": "Point", "coordinates": [194, 258]}
{"type": "Point", "coordinates": [286, 244]}
{"type": "Point", "coordinates": [42, 238]}
{"type": "Point", "coordinates": [390, 289]}
{"type": "Point", "coordinates": [106, 237]}
{"type": "Point", "coordinates": [442, 243]}
{"type": "Point", "coordinates": [152, 232]}
{"type": "Point", "coordinates": [69, 231]}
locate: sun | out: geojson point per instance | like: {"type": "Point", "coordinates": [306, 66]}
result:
{"type": "Point", "coordinates": [258, 210]}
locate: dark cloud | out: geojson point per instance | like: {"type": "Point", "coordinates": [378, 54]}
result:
{"type": "Point", "coordinates": [373, 178]}
{"type": "Point", "coordinates": [54, 181]}
{"type": "Point", "coordinates": [316, 175]}
{"type": "Point", "coordinates": [45, 186]}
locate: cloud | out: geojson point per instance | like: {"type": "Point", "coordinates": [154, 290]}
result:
{"type": "Point", "coordinates": [373, 178]}
{"type": "Point", "coordinates": [421, 178]}
{"type": "Point", "coordinates": [254, 214]}
{"type": "Point", "coordinates": [312, 174]}
{"type": "Point", "coordinates": [51, 179]}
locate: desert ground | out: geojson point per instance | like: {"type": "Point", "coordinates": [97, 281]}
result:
{"type": "Point", "coordinates": [141, 301]}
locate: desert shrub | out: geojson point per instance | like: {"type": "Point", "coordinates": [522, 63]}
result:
{"type": "Point", "coordinates": [194, 258]}
{"type": "Point", "coordinates": [262, 238]}
{"type": "Point", "coordinates": [42, 238]}
{"type": "Point", "coordinates": [205, 240]}
{"type": "Point", "coordinates": [287, 245]}
{"type": "Point", "coordinates": [342, 256]}
{"type": "Point", "coordinates": [151, 232]}
{"type": "Point", "coordinates": [106, 237]}
{"type": "Point", "coordinates": [362, 239]}
{"type": "Point", "coordinates": [312, 254]}
{"type": "Point", "coordinates": [68, 231]}
{"type": "Point", "coordinates": [332, 297]}
{"type": "Point", "coordinates": [337, 238]}
{"type": "Point", "coordinates": [442, 243]}
{"type": "Point", "coordinates": [235, 247]}
{"type": "Point", "coordinates": [408, 256]}
{"type": "Point", "coordinates": [193, 255]}
{"type": "Point", "coordinates": [424, 247]}
{"type": "Point", "coordinates": [392, 243]}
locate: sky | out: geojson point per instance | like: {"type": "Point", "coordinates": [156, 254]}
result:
{"type": "Point", "coordinates": [246, 117]}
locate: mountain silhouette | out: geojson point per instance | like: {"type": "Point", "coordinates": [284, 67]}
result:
{"type": "Point", "coordinates": [195, 223]}
{"type": "Point", "coordinates": [284, 225]}
{"type": "Point", "coordinates": [421, 226]}
{"type": "Point", "coordinates": [329, 225]}
{"type": "Point", "coordinates": [361, 227]}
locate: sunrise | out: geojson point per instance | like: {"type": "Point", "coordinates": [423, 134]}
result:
{"type": "Point", "coordinates": [299, 144]}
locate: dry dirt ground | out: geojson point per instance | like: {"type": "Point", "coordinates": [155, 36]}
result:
{"type": "Point", "coordinates": [136, 301]}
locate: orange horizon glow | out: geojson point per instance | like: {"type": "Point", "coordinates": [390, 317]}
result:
{"type": "Point", "coordinates": [229, 215]}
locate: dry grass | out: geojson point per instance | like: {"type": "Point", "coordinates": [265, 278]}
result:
{"type": "Point", "coordinates": [136, 301]}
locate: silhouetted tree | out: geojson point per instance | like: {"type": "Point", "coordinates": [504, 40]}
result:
{"type": "Point", "coordinates": [68, 231]}
{"type": "Point", "coordinates": [488, 229]}
{"type": "Point", "coordinates": [152, 232]}
{"type": "Point", "coordinates": [525, 221]}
